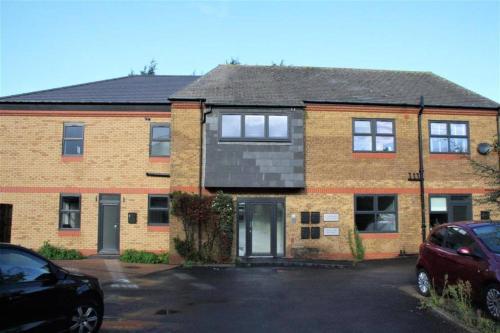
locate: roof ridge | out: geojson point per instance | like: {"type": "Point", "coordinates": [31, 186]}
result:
{"type": "Point", "coordinates": [332, 68]}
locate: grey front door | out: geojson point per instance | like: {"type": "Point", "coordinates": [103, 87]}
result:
{"type": "Point", "coordinates": [109, 223]}
{"type": "Point", "coordinates": [261, 227]}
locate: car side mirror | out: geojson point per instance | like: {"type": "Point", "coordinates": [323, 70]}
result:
{"type": "Point", "coordinates": [60, 274]}
{"type": "Point", "coordinates": [465, 251]}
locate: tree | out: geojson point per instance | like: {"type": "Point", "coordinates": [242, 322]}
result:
{"type": "Point", "coordinates": [280, 64]}
{"type": "Point", "coordinates": [233, 61]}
{"type": "Point", "coordinates": [491, 174]}
{"type": "Point", "coordinates": [147, 70]}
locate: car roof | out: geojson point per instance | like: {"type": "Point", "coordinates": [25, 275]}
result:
{"type": "Point", "coordinates": [469, 224]}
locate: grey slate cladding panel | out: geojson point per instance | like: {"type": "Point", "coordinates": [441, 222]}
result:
{"type": "Point", "coordinates": [291, 86]}
{"type": "Point", "coordinates": [254, 164]}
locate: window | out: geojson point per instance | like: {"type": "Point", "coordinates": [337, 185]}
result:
{"type": "Point", "coordinates": [376, 213]}
{"type": "Point", "coordinates": [449, 208]}
{"type": "Point", "coordinates": [449, 137]}
{"type": "Point", "coordinates": [17, 267]}
{"type": "Point", "coordinates": [490, 236]}
{"type": "Point", "coordinates": [73, 139]}
{"type": "Point", "coordinates": [158, 209]}
{"type": "Point", "coordinates": [438, 237]}
{"type": "Point", "coordinates": [457, 238]}
{"type": "Point", "coordinates": [70, 211]}
{"type": "Point", "coordinates": [254, 127]}
{"type": "Point", "coordinates": [373, 135]}
{"type": "Point", "coordinates": [160, 140]}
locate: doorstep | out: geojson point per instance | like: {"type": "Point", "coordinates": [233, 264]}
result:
{"type": "Point", "coordinates": [291, 262]}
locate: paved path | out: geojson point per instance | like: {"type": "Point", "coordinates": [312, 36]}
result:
{"type": "Point", "coordinates": [374, 297]}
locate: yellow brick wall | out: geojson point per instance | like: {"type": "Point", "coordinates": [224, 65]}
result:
{"type": "Point", "coordinates": [334, 174]}
{"type": "Point", "coordinates": [115, 159]}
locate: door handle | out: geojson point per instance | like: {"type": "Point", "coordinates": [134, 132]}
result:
{"type": "Point", "coordinates": [116, 226]}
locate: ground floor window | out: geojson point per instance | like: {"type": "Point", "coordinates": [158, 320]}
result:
{"type": "Point", "coordinates": [449, 208]}
{"type": "Point", "coordinates": [375, 213]}
{"type": "Point", "coordinates": [158, 209]}
{"type": "Point", "coordinates": [70, 208]}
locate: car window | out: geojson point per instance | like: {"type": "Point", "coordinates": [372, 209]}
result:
{"type": "Point", "coordinates": [457, 238]}
{"type": "Point", "coordinates": [17, 266]}
{"type": "Point", "coordinates": [438, 236]}
{"type": "Point", "coordinates": [490, 236]}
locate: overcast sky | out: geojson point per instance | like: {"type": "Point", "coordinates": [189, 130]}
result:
{"type": "Point", "coordinates": [52, 44]}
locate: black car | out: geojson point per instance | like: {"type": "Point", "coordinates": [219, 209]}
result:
{"type": "Point", "coordinates": [38, 296]}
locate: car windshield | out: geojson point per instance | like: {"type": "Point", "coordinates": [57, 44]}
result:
{"type": "Point", "coordinates": [490, 236]}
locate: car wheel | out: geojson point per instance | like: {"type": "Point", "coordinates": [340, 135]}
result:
{"type": "Point", "coordinates": [492, 301]}
{"type": "Point", "coordinates": [86, 318]}
{"type": "Point", "coordinates": [423, 282]}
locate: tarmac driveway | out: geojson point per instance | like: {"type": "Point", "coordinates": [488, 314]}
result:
{"type": "Point", "coordinates": [373, 297]}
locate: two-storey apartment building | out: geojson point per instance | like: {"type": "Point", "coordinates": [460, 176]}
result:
{"type": "Point", "coordinates": [308, 154]}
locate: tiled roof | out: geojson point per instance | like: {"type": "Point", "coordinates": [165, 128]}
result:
{"type": "Point", "coordinates": [138, 89]}
{"type": "Point", "coordinates": [291, 86]}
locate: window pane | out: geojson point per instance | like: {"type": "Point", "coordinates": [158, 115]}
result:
{"type": "Point", "coordinates": [73, 132]}
{"type": "Point", "coordinates": [386, 222]}
{"type": "Point", "coordinates": [254, 126]}
{"type": "Point", "coordinates": [158, 216]}
{"type": "Point", "coordinates": [231, 126]}
{"type": "Point", "coordinates": [70, 203]}
{"type": "Point", "coordinates": [18, 267]}
{"type": "Point", "coordinates": [384, 127]}
{"type": "Point", "coordinates": [364, 204]}
{"type": "Point", "coordinates": [384, 143]}
{"type": "Point", "coordinates": [73, 147]}
{"type": "Point", "coordinates": [362, 127]}
{"type": "Point", "coordinates": [161, 133]}
{"type": "Point", "coordinates": [278, 126]}
{"type": "Point", "coordinates": [457, 238]}
{"type": "Point", "coordinates": [365, 222]}
{"type": "Point", "coordinates": [70, 220]}
{"type": "Point", "coordinates": [458, 129]}
{"type": "Point", "coordinates": [158, 202]}
{"type": "Point", "coordinates": [439, 145]}
{"type": "Point", "coordinates": [459, 213]}
{"type": "Point", "coordinates": [363, 143]}
{"type": "Point", "coordinates": [437, 238]}
{"type": "Point", "coordinates": [439, 129]}
{"type": "Point", "coordinates": [160, 148]}
{"type": "Point", "coordinates": [438, 218]}
{"type": "Point", "coordinates": [458, 145]}
{"type": "Point", "coordinates": [386, 203]}
{"type": "Point", "coordinates": [438, 205]}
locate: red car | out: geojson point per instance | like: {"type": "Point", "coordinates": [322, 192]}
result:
{"type": "Point", "coordinates": [467, 251]}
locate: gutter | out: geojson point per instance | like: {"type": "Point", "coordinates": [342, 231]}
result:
{"type": "Point", "coordinates": [421, 168]}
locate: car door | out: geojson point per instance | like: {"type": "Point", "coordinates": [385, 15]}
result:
{"type": "Point", "coordinates": [464, 267]}
{"type": "Point", "coordinates": [434, 251]}
{"type": "Point", "coordinates": [28, 295]}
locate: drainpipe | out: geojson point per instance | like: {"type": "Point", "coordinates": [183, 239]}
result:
{"type": "Point", "coordinates": [421, 167]}
{"type": "Point", "coordinates": [200, 173]}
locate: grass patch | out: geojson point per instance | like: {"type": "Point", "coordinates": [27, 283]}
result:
{"type": "Point", "coordinates": [456, 300]}
{"type": "Point", "coordinates": [144, 257]}
{"type": "Point", "coordinates": [59, 253]}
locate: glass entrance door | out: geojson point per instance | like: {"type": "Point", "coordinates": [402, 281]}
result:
{"type": "Point", "coordinates": [261, 227]}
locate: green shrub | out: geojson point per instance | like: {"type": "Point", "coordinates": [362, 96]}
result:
{"type": "Point", "coordinates": [356, 245]}
{"type": "Point", "coordinates": [143, 257]}
{"type": "Point", "coordinates": [59, 253]}
{"type": "Point", "coordinates": [456, 300]}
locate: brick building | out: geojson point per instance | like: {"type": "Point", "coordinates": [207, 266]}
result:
{"type": "Point", "coordinates": [307, 153]}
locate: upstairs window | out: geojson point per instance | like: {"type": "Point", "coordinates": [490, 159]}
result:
{"type": "Point", "coordinates": [158, 209]}
{"type": "Point", "coordinates": [449, 137]}
{"type": "Point", "coordinates": [73, 139]}
{"type": "Point", "coordinates": [160, 140]}
{"type": "Point", "coordinates": [254, 127]}
{"type": "Point", "coordinates": [373, 135]}
{"type": "Point", "coordinates": [376, 213]}
{"type": "Point", "coordinates": [70, 211]}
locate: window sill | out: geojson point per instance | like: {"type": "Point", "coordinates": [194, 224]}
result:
{"type": "Point", "coordinates": [158, 228]}
{"type": "Point", "coordinates": [450, 156]}
{"type": "Point", "coordinates": [359, 155]}
{"type": "Point", "coordinates": [379, 235]}
{"type": "Point", "coordinates": [159, 159]}
{"type": "Point", "coordinates": [69, 159]}
{"type": "Point", "coordinates": [68, 233]}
